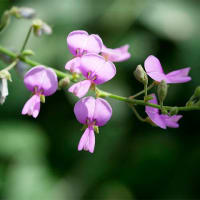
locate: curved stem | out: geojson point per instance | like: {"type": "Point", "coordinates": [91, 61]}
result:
{"type": "Point", "coordinates": [100, 93]}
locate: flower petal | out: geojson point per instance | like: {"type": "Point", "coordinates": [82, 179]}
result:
{"type": "Point", "coordinates": [83, 143]}
{"type": "Point", "coordinates": [84, 109]}
{"type": "Point", "coordinates": [81, 88]}
{"type": "Point", "coordinates": [103, 112]}
{"type": "Point", "coordinates": [179, 76]}
{"type": "Point", "coordinates": [156, 118]}
{"type": "Point", "coordinates": [43, 78]}
{"type": "Point", "coordinates": [73, 65]}
{"type": "Point", "coordinates": [151, 109]}
{"type": "Point", "coordinates": [80, 42]}
{"type": "Point", "coordinates": [100, 69]}
{"type": "Point", "coordinates": [171, 121]}
{"type": "Point", "coordinates": [87, 141]}
{"type": "Point", "coordinates": [32, 106]}
{"type": "Point", "coordinates": [116, 55]}
{"type": "Point", "coordinates": [152, 64]}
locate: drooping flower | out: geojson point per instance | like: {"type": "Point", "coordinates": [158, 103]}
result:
{"type": "Point", "coordinates": [91, 112]}
{"type": "Point", "coordinates": [161, 120]}
{"type": "Point", "coordinates": [4, 77]}
{"type": "Point", "coordinates": [154, 70]}
{"type": "Point", "coordinates": [96, 70]}
{"type": "Point", "coordinates": [116, 55]}
{"type": "Point", "coordinates": [41, 81]}
{"type": "Point", "coordinates": [79, 43]}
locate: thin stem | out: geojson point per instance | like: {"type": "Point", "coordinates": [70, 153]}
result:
{"type": "Point", "coordinates": [26, 39]}
{"type": "Point", "coordinates": [143, 91]}
{"type": "Point", "coordinates": [9, 67]}
{"type": "Point", "coordinates": [99, 92]}
{"type": "Point", "coordinates": [137, 114]}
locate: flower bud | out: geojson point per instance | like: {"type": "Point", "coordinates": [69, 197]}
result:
{"type": "Point", "coordinates": [3, 90]}
{"type": "Point", "coordinates": [141, 75]}
{"type": "Point", "coordinates": [40, 27]}
{"type": "Point", "coordinates": [197, 92]}
{"type": "Point", "coordinates": [162, 91]}
{"type": "Point", "coordinates": [5, 19]}
{"type": "Point", "coordinates": [27, 52]}
{"type": "Point", "coordinates": [22, 12]}
{"type": "Point", "coordinates": [64, 82]}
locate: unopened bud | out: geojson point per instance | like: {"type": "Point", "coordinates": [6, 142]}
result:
{"type": "Point", "coordinates": [5, 19]}
{"type": "Point", "coordinates": [197, 92]}
{"type": "Point", "coordinates": [141, 75]}
{"type": "Point", "coordinates": [162, 91]}
{"type": "Point", "coordinates": [64, 82]}
{"type": "Point", "coordinates": [4, 77]}
{"type": "Point", "coordinates": [27, 52]}
{"type": "Point", "coordinates": [40, 28]}
{"type": "Point", "coordinates": [27, 13]}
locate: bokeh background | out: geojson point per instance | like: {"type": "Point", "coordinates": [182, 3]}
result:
{"type": "Point", "coordinates": [132, 160]}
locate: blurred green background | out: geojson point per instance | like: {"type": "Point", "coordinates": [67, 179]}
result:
{"type": "Point", "coordinates": [39, 158]}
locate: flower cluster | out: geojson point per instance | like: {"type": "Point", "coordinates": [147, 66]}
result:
{"type": "Point", "coordinates": [93, 61]}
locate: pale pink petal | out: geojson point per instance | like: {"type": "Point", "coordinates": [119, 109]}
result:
{"type": "Point", "coordinates": [152, 64]}
{"type": "Point", "coordinates": [32, 106]}
{"type": "Point", "coordinates": [103, 112]}
{"type": "Point", "coordinates": [179, 76]}
{"type": "Point", "coordinates": [116, 55]}
{"type": "Point", "coordinates": [84, 109]}
{"type": "Point", "coordinates": [79, 42]}
{"type": "Point", "coordinates": [87, 141]}
{"type": "Point", "coordinates": [43, 78]}
{"type": "Point", "coordinates": [73, 65]}
{"type": "Point", "coordinates": [84, 141]}
{"type": "Point", "coordinates": [91, 140]}
{"type": "Point", "coordinates": [96, 68]}
{"type": "Point", "coordinates": [171, 121]}
{"type": "Point", "coordinates": [153, 101]}
{"type": "Point", "coordinates": [153, 113]}
{"type": "Point", "coordinates": [81, 88]}
{"type": "Point", "coordinates": [156, 118]}
{"type": "Point", "coordinates": [76, 41]}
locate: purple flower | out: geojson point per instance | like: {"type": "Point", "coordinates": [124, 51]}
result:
{"type": "Point", "coordinates": [41, 81]}
{"type": "Point", "coordinates": [79, 43]}
{"type": "Point", "coordinates": [116, 55]}
{"type": "Point", "coordinates": [96, 70]}
{"type": "Point", "coordinates": [154, 70]}
{"type": "Point", "coordinates": [161, 120]}
{"type": "Point", "coordinates": [91, 112]}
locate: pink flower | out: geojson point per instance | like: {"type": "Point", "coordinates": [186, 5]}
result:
{"type": "Point", "coordinates": [96, 70]}
{"type": "Point", "coordinates": [154, 70]}
{"type": "Point", "coordinates": [41, 81]}
{"type": "Point", "coordinates": [79, 43]}
{"type": "Point", "coordinates": [116, 55]}
{"type": "Point", "coordinates": [163, 121]}
{"type": "Point", "coordinates": [91, 112]}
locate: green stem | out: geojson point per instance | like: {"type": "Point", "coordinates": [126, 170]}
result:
{"type": "Point", "coordinates": [99, 92]}
{"type": "Point", "coordinates": [143, 91]}
{"type": "Point", "coordinates": [137, 114]}
{"type": "Point", "coordinates": [11, 65]}
{"type": "Point", "coordinates": [26, 39]}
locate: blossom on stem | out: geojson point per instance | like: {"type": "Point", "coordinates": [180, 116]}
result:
{"type": "Point", "coordinates": [154, 70]}
{"type": "Point", "coordinates": [161, 120]}
{"type": "Point", "coordinates": [79, 43]}
{"type": "Point", "coordinates": [116, 55]}
{"type": "Point", "coordinates": [96, 70]}
{"type": "Point", "coordinates": [41, 81]}
{"type": "Point", "coordinates": [91, 112]}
